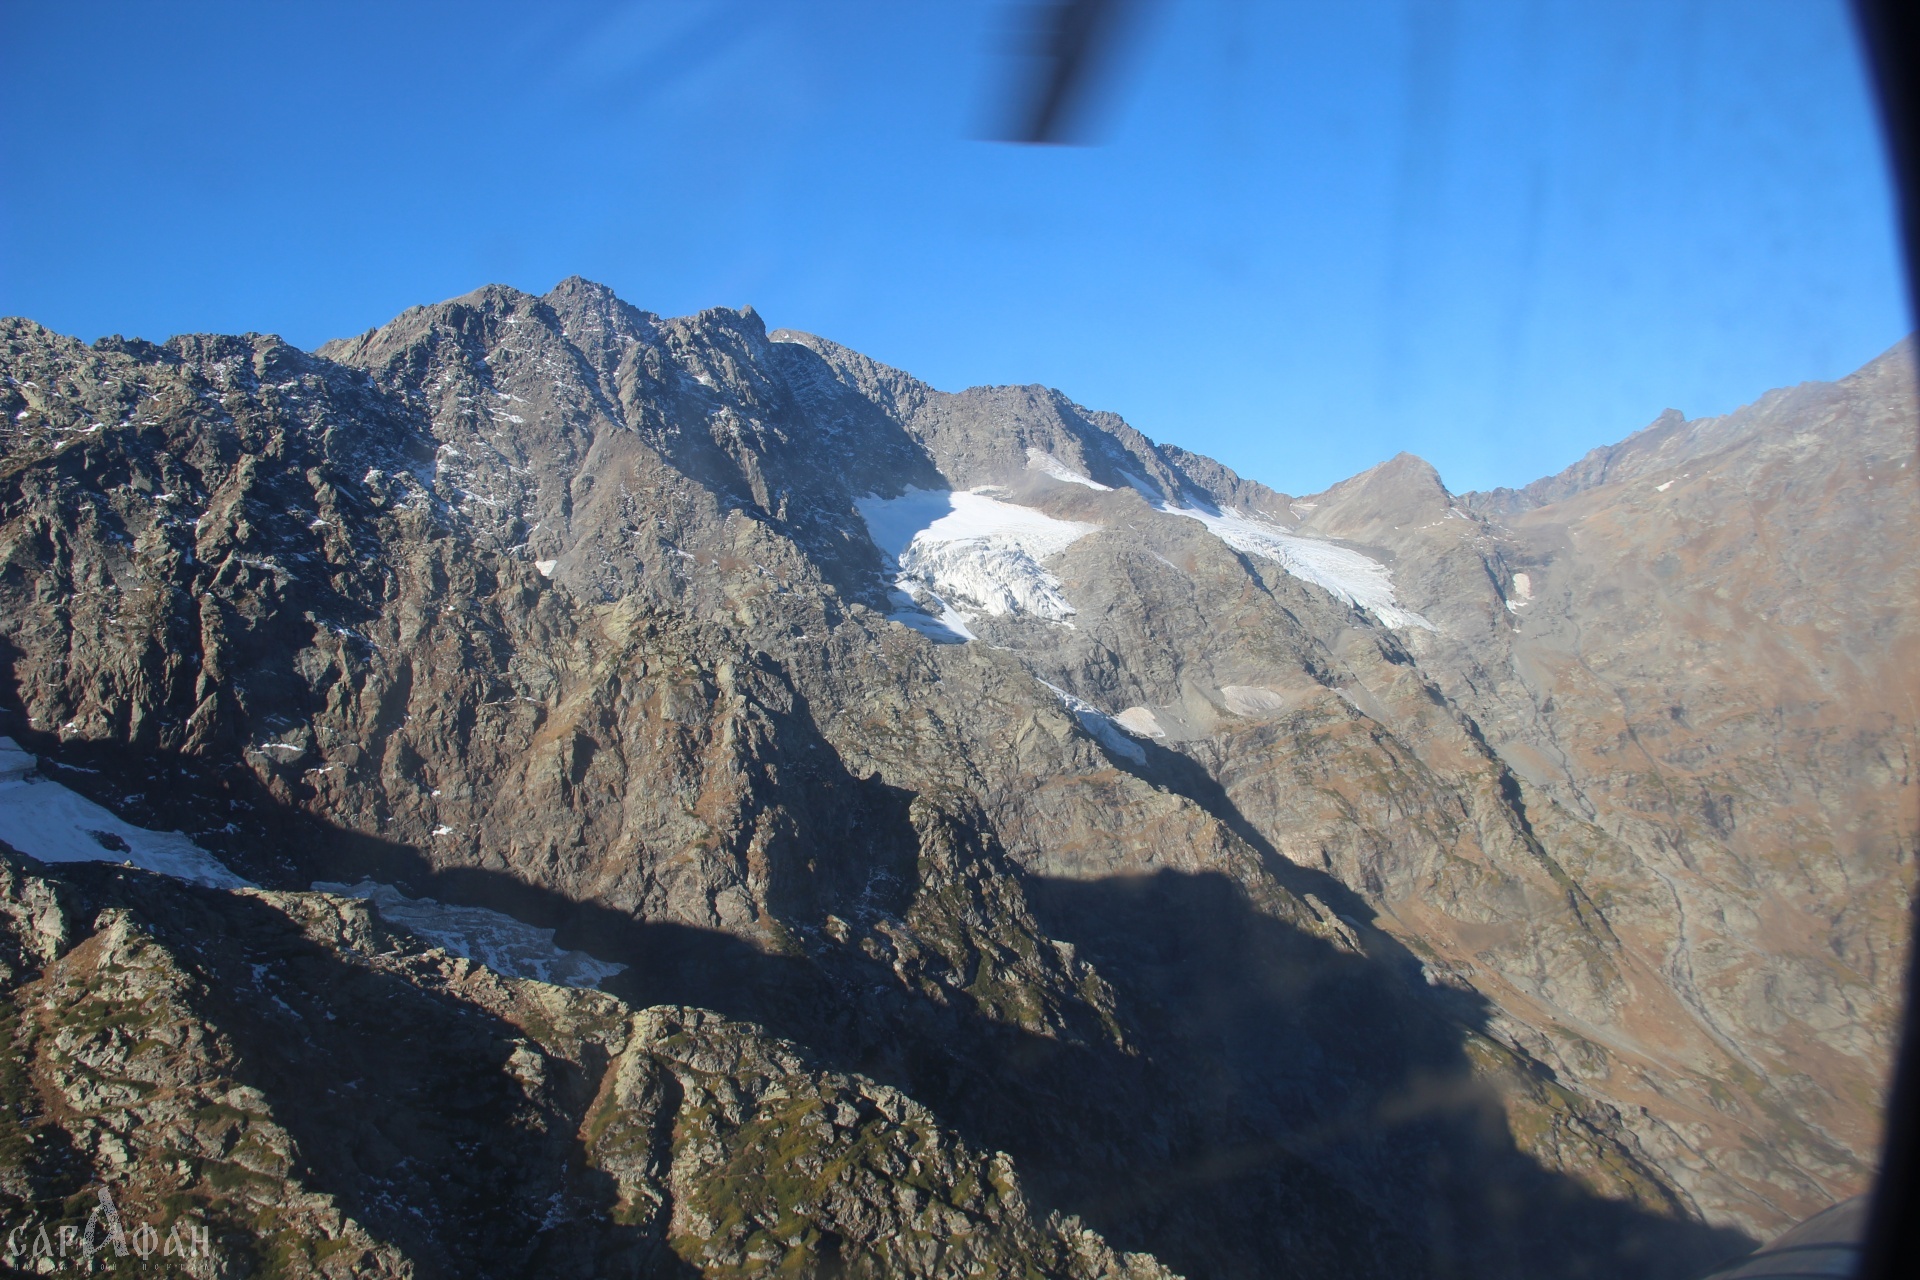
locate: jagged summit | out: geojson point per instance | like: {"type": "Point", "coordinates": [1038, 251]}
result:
{"type": "Point", "coordinates": [958, 777]}
{"type": "Point", "coordinates": [1673, 438]}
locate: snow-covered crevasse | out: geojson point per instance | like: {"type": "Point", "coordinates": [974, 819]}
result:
{"type": "Point", "coordinates": [491, 938]}
{"type": "Point", "coordinates": [1343, 573]}
{"type": "Point", "coordinates": [971, 553]}
{"type": "Point", "coordinates": [45, 820]}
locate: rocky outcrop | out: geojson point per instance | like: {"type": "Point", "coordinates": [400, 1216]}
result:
{"type": "Point", "coordinates": [1381, 880]}
{"type": "Point", "coordinates": [317, 1095]}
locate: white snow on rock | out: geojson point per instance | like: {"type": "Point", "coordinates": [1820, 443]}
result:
{"type": "Point", "coordinates": [1099, 726]}
{"type": "Point", "coordinates": [949, 628]}
{"type": "Point", "coordinates": [45, 820]}
{"type": "Point", "coordinates": [1042, 461]}
{"type": "Point", "coordinates": [1140, 722]}
{"type": "Point", "coordinates": [971, 554]}
{"type": "Point", "coordinates": [1343, 573]}
{"type": "Point", "coordinates": [491, 938]}
{"type": "Point", "coordinates": [545, 567]}
{"type": "Point", "coordinates": [14, 763]}
{"type": "Point", "coordinates": [1522, 593]}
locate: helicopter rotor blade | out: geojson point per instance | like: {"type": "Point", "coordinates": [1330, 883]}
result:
{"type": "Point", "coordinates": [1070, 47]}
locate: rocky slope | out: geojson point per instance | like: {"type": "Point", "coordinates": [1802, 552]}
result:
{"type": "Point", "coordinates": [1379, 882]}
{"type": "Point", "coordinates": [325, 1098]}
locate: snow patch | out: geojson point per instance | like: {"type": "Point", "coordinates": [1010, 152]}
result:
{"type": "Point", "coordinates": [1343, 573]}
{"type": "Point", "coordinates": [1522, 594]}
{"type": "Point", "coordinates": [1099, 726]}
{"type": "Point", "coordinates": [1140, 722]}
{"type": "Point", "coordinates": [545, 567]}
{"type": "Point", "coordinates": [971, 554]}
{"type": "Point", "coordinates": [949, 628]}
{"type": "Point", "coordinates": [491, 938]}
{"type": "Point", "coordinates": [44, 820]}
{"type": "Point", "coordinates": [1662, 488]}
{"type": "Point", "coordinates": [1042, 461]}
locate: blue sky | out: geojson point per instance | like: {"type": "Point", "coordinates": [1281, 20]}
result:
{"type": "Point", "coordinates": [1493, 234]}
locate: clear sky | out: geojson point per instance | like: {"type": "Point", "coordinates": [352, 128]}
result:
{"type": "Point", "coordinates": [1493, 234]}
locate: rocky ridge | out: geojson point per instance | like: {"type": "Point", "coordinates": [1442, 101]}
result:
{"type": "Point", "coordinates": [1382, 880]}
{"type": "Point", "coordinates": [187, 1046]}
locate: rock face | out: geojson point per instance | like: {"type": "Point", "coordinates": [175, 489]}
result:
{"type": "Point", "coordinates": [1032, 849]}
{"type": "Point", "coordinates": [321, 1097]}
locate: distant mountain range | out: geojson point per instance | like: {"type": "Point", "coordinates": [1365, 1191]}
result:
{"type": "Point", "coordinates": [543, 789]}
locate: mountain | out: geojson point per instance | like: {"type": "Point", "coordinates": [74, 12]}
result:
{"type": "Point", "coordinates": [657, 796]}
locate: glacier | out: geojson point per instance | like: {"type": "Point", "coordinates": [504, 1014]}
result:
{"type": "Point", "coordinates": [972, 554]}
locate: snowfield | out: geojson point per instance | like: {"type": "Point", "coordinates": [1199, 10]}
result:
{"type": "Point", "coordinates": [957, 555]}
{"type": "Point", "coordinates": [1342, 572]}
{"type": "Point", "coordinates": [44, 820]}
{"type": "Point", "coordinates": [498, 941]}
{"type": "Point", "coordinates": [971, 554]}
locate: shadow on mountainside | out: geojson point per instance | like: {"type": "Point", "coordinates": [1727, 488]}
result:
{"type": "Point", "coordinates": [1280, 1105]}
{"type": "Point", "coordinates": [1293, 1050]}
{"type": "Point", "coordinates": [400, 1100]}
